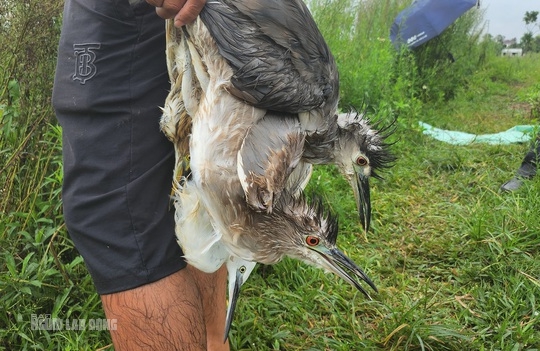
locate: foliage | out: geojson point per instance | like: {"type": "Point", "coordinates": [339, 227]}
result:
{"type": "Point", "coordinates": [372, 76]}
{"type": "Point", "coordinates": [389, 83]}
{"type": "Point", "coordinates": [39, 268]}
{"type": "Point", "coordinates": [445, 63]}
{"type": "Point", "coordinates": [528, 41]}
{"type": "Point", "coordinates": [532, 97]}
{"type": "Point", "coordinates": [531, 18]}
{"type": "Point", "coordinates": [455, 261]}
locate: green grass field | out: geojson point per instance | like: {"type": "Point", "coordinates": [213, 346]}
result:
{"type": "Point", "coordinates": [456, 261]}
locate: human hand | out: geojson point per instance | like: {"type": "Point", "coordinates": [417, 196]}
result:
{"type": "Point", "coordinates": [183, 11]}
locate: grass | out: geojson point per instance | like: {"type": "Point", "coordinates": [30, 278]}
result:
{"type": "Point", "coordinates": [456, 262]}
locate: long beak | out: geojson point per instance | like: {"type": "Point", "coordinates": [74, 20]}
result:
{"type": "Point", "coordinates": [238, 271]}
{"type": "Point", "coordinates": [234, 292]}
{"type": "Point", "coordinates": [360, 187]}
{"type": "Point", "coordinates": [336, 262]}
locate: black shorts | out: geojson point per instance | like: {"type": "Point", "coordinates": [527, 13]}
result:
{"type": "Point", "coordinates": [110, 80]}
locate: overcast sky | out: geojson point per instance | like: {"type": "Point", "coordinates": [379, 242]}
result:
{"type": "Point", "coordinates": [505, 17]}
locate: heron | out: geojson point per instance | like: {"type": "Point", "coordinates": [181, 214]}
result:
{"type": "Point", "coordinates": [359, 150]}
{"type": "Point", "coordinates": [206, 253]}
{"type": "Point", "coordinates": [219, 123]}
{"type": "Point", "coordinates": [281, 63]}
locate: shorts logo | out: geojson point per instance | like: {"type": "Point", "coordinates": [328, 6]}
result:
{"type": "Point", "coordinates": [84, 61]}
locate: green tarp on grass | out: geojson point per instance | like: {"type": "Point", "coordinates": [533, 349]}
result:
{"type": "Point", "coordinates": [517, 134]}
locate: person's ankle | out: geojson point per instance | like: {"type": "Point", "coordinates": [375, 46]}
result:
{"type": "Point", "coordinates": [526, 171]}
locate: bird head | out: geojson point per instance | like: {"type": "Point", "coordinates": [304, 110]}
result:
{"type": "Point", "coordinates": [361, 151]}
{"type": "Point", "coordinates": [307, 232]}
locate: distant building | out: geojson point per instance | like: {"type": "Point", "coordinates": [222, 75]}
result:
{"type": "Point", "coordinates": [512, 52]}
{"type": "Point", "coordinates": [509, 42]}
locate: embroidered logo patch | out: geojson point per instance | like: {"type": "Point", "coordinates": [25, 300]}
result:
{"type": "Point", "coordinates": [85, 56]}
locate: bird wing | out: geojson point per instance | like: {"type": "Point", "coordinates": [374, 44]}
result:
{"type": "Point", "coordinates": [278, 55]}
{"type": "Point", "coordinates": [175, 122]}
{"type": "Point", "coordinates": [299, 178]}
{"type": "Point", "coordinates": [270, 151]}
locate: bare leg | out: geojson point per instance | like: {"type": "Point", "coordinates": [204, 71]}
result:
{"type": "Point", "coordinates": [164, 315]}
{"type": "Point", "coordinates": [213, 289]}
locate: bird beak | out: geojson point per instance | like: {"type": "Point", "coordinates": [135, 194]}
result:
{"type": "Point", "coordinates": [233, 297]}
{"type": "Point", "coordinates": [336, 262]}
{"type": "Point", "coordinates": [363, 202]}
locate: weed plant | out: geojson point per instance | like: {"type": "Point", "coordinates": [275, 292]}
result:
{"type": "Point", "coordinates": [456, 262]}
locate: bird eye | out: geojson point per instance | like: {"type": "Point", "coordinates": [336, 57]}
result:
{"type": "Point", "coordinates": [361, 161]}
{"type": "Point", "coordinates": [312, 240]}
{"type": "Point", "coordinates": [242, 269]}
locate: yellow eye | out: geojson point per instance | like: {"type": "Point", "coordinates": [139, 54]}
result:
{"type": "Point", "coordinates": [242, 269]}
{"type": "Point", "coordinates": [361, 161]}
{"type": "Point", "coordinates": [312, 240]}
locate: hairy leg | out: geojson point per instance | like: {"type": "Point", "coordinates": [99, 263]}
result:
{"type": "Point", "coordinates": [164, 315]}
{"type": "Point", "coordinates": [213, 289]}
